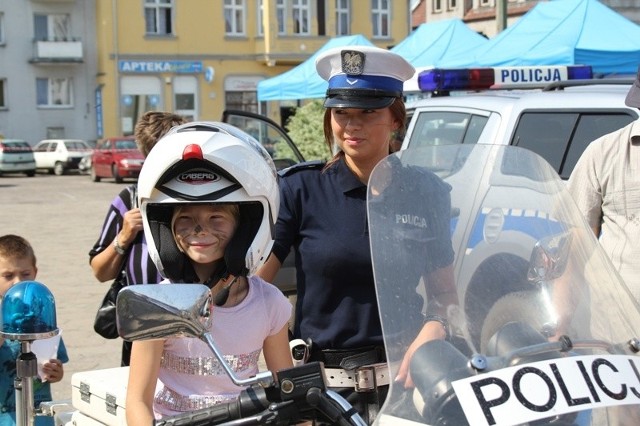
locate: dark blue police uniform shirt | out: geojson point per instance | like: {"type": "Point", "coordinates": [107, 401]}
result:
{"type": "Point", "coordinates": [323, 216]}
{"type": "Point", "coordinates": [413, 210]}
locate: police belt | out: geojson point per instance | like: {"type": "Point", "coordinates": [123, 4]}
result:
{"type": "Point", "coordinates": [363, 369]}
{"type": "Point", "coordinates": [363, 379]}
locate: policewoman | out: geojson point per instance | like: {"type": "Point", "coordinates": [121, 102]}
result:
{"type": "Point", "coordinates": [323, 218]}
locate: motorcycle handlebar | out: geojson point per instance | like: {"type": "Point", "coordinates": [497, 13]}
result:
{"type": "Point", "coordinates": [251, 401]}
{"type": "Point", "coordinates": [300, 392]}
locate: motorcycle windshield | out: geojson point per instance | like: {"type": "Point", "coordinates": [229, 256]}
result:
{"type": "Point", "coordinates": [487, 241]}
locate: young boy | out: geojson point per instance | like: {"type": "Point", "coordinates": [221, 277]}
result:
{"type": "Point", "coordinates": [18, 263]}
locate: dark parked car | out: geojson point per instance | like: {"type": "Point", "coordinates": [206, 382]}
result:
{"type": "Point", "coordinates": [116, 158]}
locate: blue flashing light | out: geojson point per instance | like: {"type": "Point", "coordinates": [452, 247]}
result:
{"type": "Point", "coordinates": [446, 80]}
{"type": "Point", "coordinates": [28, 308]}
{"type": "Point", "coordinates": [580, 72]}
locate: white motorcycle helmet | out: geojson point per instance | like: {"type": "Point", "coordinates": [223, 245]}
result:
{"type": "Point", "coordinates": [212, 163]}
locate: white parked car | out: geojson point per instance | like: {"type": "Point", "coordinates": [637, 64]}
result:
{"type": "Point", "coordinates": [60, 155]}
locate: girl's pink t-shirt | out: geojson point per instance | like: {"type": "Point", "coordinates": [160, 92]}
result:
{"type": "Point", "coordinates": [191, 377]}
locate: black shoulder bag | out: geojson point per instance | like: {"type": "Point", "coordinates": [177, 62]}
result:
{"type": "Point", "coordinates": [105, 321]}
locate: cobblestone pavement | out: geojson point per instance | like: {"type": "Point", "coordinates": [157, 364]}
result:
{"type": "Point", "coordinates": [61, 217]}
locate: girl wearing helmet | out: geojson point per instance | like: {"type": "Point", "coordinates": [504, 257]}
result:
{"type": "Point", "coordinates": [209, 200]}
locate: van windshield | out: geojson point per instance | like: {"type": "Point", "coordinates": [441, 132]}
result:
{"type": "Point", "coordinates": [446, 128]}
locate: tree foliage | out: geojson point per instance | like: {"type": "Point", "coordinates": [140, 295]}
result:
{"type": "Point", "coordinates": [305, 128]}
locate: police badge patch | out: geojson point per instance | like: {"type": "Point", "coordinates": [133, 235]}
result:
{"type": "Point", "coordinates": [352, 62]}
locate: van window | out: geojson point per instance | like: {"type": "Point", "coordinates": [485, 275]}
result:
{"type": "Point", "coordinates": [546, 134]}
{"type": "Point", "coordinates": [445, 128]}
{"type": "Point", "coordinates": [591, 127]}
{"type": "Point", "coordinates": [561, 137]}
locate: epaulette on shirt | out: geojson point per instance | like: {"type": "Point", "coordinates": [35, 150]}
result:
{"type": "Point", "coordinates": [307, 165]}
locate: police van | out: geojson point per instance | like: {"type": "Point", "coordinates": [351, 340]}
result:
{"type": "Point", "coordinates": [553, 111]}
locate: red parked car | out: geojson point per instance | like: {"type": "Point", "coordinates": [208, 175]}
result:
{"type": "Point", "coordinates": [116, 158]}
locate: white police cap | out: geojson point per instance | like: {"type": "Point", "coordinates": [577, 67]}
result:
{"type": "Point", "coordinates": [362, 76]}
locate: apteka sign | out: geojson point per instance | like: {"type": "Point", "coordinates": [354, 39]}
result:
{"type": "Point", "coordinates": [145, 67]}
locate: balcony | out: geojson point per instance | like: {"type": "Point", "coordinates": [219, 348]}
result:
{"type": "Point", "coordinates": [47, 52]}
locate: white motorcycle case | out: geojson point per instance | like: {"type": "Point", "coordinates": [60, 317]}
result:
{"type": "Point", "coordinates": [100, 395]}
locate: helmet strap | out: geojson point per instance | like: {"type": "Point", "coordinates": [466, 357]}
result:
{"type": "Point", "coordinates": [220, 273]}
{"type": "Point", "coordinates": [223, 294]}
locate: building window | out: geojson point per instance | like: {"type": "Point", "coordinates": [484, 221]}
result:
{"type": "Point", "coordinates": [52, 27]}
{"type": "Point", "coordinates": [185, 101]}
{"type": "Point", "coordinates": [54, 92]}
{"type": "Point", "coordinates": [281, 14]}
{"type": "Point", "coordinates": [1, 28]}
{"type": "Point", "coordinates": [137, 96]}
{"type": "Point", "coordinates": [485, 2]}
{"type": "Point", "coordinates": [380, 16]}
{"type": "Point", "coordinates": [3, 91]}
{"type": "Point", "coordinates": [260, 17]}
{"type": "Point", "coordinates": [342, 18]}
{"type": "Point", "coordinates": [243, 101]}
{"type": "Point", "coordinates": [241, 93]}
{"type": "Point", "coordinates": [234, 17]}
{"type": "Point", "coordinates": [437, 6]}
{"type": "Point", "coordinates": [301, 13]}
{"type": "Point", "coordinates": [452, 4]}
{"type": "Point", "coordinates": [55, 133]}
{"type": "Point", "coordinates": [158, 16]}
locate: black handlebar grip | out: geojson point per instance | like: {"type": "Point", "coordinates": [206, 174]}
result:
{"type": "Point", "coordinates": [206, 416]}
{"type": "Point", "coordinates": [251, 401]}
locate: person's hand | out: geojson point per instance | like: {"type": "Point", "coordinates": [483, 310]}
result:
{"type": "Point", "coordinates": [131, 225]}
{"type": "Point", "coordinates": [53, 371]}
{"type": "Point", "coordinates": [432, 330]}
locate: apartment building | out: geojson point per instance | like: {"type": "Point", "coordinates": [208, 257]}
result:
{"type": "Point", "coordinates": [199, 57]}
{"type": "Point", "coordinates": [484, 16]}
{"type": "Point", "coordinates": [47, 69]}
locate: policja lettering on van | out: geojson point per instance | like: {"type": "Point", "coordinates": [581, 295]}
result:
{"type": "Point", "coordinates": [523, 75]}
{"type": "Point", "coordinates": [542, 389]}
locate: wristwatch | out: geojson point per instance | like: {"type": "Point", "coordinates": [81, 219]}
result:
{"type": "Point", "coordinates": [117, 247]}
{"type": "Point", "coordinates": [442, 320]}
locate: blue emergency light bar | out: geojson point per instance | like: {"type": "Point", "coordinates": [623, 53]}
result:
{"type": "Point", "coordinates": [446, 80]}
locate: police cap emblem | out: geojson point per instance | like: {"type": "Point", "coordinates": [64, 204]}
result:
{"type": "Point", "coordinates": [352, 62]}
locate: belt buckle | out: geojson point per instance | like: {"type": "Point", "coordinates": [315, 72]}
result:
{"type": "Point", "coordinates": [369, 377]}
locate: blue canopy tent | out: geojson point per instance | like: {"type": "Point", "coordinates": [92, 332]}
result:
{"type": "Point", "coordinates": [563, 32]}
{"type": "Point", "coordinates": [436, 41]}
{"type": "Point", "coordinates": [433, 43]}
{"type": "Point", "coordinates": [303, 82]}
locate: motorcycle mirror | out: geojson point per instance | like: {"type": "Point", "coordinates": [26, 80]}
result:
{"type": "Point", "coordinates": [158, 311]}
{"type": "Point", "coordinates": [549, 258]}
